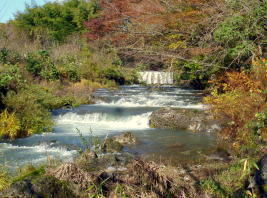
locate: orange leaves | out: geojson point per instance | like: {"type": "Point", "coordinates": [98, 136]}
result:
{"type": "Point", "coordinates": [236, 98]}
{"type": "Point", "coordinates": [241, 81]}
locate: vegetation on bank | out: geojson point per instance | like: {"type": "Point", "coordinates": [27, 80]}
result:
{"type": "Point", "coordinates": [45, 63]}
{"type": "Point", "coordinates": [56, 55]}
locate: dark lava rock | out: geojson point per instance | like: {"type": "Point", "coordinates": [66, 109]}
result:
{"type": "Point", "coordinates": [183, 119]}
{"type": "Point", "coordinates": [41, 187]}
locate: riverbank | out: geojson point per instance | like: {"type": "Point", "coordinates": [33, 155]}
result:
{"type": "Point", "coordinates": [176, 161]}
{"type": "Point", "coordinates": [103, 172]}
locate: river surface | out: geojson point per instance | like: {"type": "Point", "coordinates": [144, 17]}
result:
{"type": "Point", "coordinates": [115, 112]}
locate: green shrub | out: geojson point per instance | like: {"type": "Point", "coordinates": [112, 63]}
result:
{"type": "Point", "coordinates": [9, 57]}
{"type": "Point", "coordinates": [40, 64]}
{"type": "Point", "coordinates": [70, 71]}
{"type": "Point", "coordinates": [240, 33]}
{"type": "Point", "coordinates": [114, 73]}
{"type": "Point", "coordinates": [131, 76]}
{"type": "Point", "coordinates": [31, 110]}
{"type": "Point", "coordinates": [10, 78]}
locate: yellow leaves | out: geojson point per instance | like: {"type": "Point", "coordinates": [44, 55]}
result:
{"type": "Point", "coordinates": [177, 45]}
{"type": "Point", "coordinates": [174, 36]}
{"type": "Point", "coordinates": [9, 125]}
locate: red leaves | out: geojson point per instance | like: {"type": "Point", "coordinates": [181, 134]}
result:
{"type": "Point", "coordinates": [116, 15]}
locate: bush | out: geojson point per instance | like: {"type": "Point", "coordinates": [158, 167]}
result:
{"type": "Point", "coordinates": [114, 73]}
{"type": "Point", "coordinates": [40, 64]}
{"type": "Point", "coordinates": [9, 125]}
{"type": "Point", "coordinates": [9, 57]}
{"type": "Point", "coordinates": [239, 98]}
{"type": "Point", "coordinates": [240, 33]}
{"type": "Point", "coordinates": [30, 109]}
{"type": "Point", "coordinates": [10, 78]}
{"type": "Point", "coordinates": [70, 71]}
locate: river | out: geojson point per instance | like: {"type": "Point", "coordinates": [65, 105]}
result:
{"type": "Point", "coordinates": [122, 110]}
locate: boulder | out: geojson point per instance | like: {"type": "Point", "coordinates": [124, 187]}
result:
{"type": "Point", "coordinates": [126, 138]}
{"type": "Point", "coordinates": [116, 143]}
{"type": "Point", "coordinates": [110, 145]}
{"type": "Point", "coordinates": [184, 119]}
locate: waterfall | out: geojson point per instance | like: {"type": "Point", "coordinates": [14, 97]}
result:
{"type": "Point", "coordinates": [155, 77]}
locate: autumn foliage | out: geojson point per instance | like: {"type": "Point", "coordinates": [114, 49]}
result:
{"type": "Point", "coordinates": [238, 98]}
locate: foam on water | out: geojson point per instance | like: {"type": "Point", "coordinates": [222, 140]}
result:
{"type": "Point", "coordinates": [153, 101]}
{"type": "Point", "coordinates": [155, 77]}
{"type": "Point", "coordinates": [104, 121]}
{"type": "Point", "coordinates": [14, 156]}
{"type": "Point", "coordinates": [127, 109]}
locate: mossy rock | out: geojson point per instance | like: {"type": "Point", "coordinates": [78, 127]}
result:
{"type": "Point", "coordinates": [111, 146]}
{"type": "Point", "coordinates": [183, 119]}
{"type": "Point", "coordinates": [126, 138]}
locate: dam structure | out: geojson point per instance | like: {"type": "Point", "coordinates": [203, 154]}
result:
{"type": "Point", "coordinates": [156, 78]}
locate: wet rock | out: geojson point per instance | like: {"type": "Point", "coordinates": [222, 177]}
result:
{"type": "Point", "coordinates": [126, 138]}
{"type": "Point", "coordinates": [261, 176]}
{"type": "Point", "coordinates": [103, 161]}
{"type": "Point", "coordinates": [183, 119]}
{"type": "Point", "coordinates": [219, 155]}
{"type": "Point", "coordinates": [41, 187]}
{"type": "Point", "coordinates": [110, 145]}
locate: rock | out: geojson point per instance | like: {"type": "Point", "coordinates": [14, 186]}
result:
{"type": "Point", "coordinates": [103, 161]}
{"type": "Point", "coordinates": [110, 145]}
{"type": "Point", "coordinates": [261, 176]}
{"type": "Point", "coordinates": [183, 119]}
{"type": "Point", "coordinates": [126, 138]}
{"type": "Point", "coordinates": [40, 187]}
{"type": "Point", "coordinates": [220, 155]}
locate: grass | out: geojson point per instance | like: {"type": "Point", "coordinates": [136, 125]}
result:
{"type": "Point", "coordinates": [4, 179]}
{"type": "Point", "coordinates": [28, 171]}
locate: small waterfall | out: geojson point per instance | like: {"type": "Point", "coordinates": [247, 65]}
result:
{"type": "Point", "coordinates": [156, 78]}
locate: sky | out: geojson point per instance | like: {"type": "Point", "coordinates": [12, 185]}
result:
{"type": "Point", "coordinates": [9, 7]}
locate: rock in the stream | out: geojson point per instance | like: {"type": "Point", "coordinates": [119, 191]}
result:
{"type": "Point", "coordinates": [111, 146]}
{"type": "Point", "coordinates": [116, 143]}
{"type": "Point", "coordinates": [126, 138]}
{"type": "Point", "coordinates": [183, 119]}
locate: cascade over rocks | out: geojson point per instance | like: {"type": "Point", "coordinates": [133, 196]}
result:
{"type": "Point", "coordinates": [183, 119]}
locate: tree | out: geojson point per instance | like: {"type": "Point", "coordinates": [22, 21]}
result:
{"type": "Point", "coordinates": [55, 21]}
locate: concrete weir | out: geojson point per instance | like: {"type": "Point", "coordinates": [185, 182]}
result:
{"type": "Point", "coordinates": [155, 77]}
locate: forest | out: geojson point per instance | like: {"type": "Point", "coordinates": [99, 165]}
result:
{"type": "Point", "coordinates": [55, 56]}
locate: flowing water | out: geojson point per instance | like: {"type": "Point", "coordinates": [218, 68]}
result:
{"type": "Point", "coordinates": [126, 109]}
{"type": "Point", "coordinates": [154, 77]}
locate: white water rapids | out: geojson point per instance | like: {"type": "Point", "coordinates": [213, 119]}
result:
{"type": "Point", "coordinates": [127, 109]}
{"type": "Point", "coordinates": [155, 77]}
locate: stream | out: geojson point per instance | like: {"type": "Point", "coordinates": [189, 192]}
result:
{"type": "Point", "coordinates": [124, 110]}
